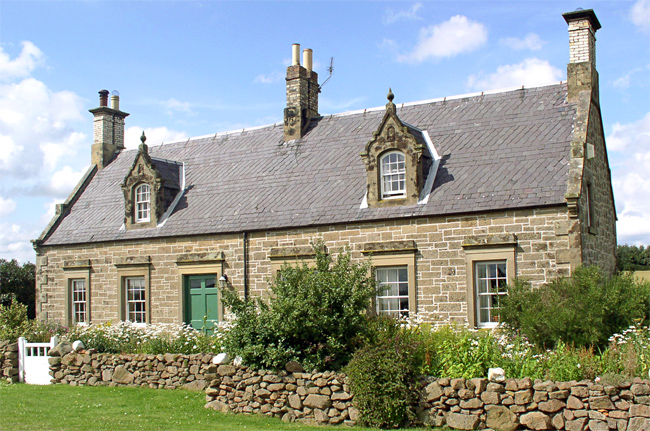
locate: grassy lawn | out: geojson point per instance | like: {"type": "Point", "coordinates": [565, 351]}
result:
{"type": "Point", "coordinates": [70, 408]}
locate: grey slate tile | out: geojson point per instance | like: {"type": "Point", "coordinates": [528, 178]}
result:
{"type": "Point", "coordinates": [499, 151]}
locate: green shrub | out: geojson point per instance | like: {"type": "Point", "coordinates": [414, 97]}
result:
{"type": "Point", "coordinates": [582, 310]}
{"type": "Point", "coordinates": [14, 323]}
{"type": "Point", "coordinates": [383, 376]}
{"type": "Point", "coordinates": [314, 315]}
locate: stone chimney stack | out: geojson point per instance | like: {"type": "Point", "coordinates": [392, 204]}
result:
{"type": "Point", "coordinates": [581, 70]}
{"type": "Point", "coordinates": [302, 94]}
{"type": "Point", "coordinates": [108, 130]}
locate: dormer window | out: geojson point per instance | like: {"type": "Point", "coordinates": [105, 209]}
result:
{"type": "Point", "coordinates": [393, 175]}
{"type": "Point", "coordinates": [399, 161]}
{"type": "Point", "coordinates": [142, 203]}
{"type": "Point", "coordinates": [150, 188]}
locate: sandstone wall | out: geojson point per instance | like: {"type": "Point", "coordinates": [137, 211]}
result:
{"type": "Point", "coordinates": [542, 253]}
{"type": "Point", "coordinates": [9, 361]}
{"type": "Point", "coordinates": [326, 398]}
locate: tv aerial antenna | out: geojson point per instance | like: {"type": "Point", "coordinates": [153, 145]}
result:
{"type": "Point", "coordinates": [330, 69]}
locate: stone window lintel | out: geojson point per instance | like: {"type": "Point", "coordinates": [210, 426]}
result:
{"type": "Point", "coordinates": [293, 252]}
{"type": "Point", "coordinates": [407, 246]}
{"type": "Point", "coordinates": [76, 265]}
{"type": "Point", "coordinates": [133, 261]}
{"type": "Point", "coordinates": [200, 258]}
{"type": "Point", "coordinates": [497, 240]}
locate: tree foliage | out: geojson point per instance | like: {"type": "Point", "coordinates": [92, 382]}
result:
{"type": "Point", "coordinates": [315, 315]}
{"type": "Point", "coordinates": [584, 309]}
{"type": "Point", "coordinates": [632, 258]}
{"type": "Point", "coordinates": [18, 282]}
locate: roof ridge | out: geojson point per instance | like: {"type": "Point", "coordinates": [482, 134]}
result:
{"type": "Point", "coordinates": [374, 109]}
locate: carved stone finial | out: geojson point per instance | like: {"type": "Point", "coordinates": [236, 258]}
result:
{"type": "Point", "coordinates": [143, 147]}
{"type": "Point", "coordinates": [390, 106]}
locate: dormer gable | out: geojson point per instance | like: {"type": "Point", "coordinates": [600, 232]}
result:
{"type": "Point", "coordinates": [149, 189]}
{"type": "Point", "coordinates": [396, 162]}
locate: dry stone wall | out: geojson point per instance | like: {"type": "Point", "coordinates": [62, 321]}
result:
{"type": "Point", "coordinates": [326, 398]}
{"type": "Point", "coordinates": [537, 405]}
{"type": "Point", "coordinates": [9, 361]}
{"type": "Point", "coordinates": [168, 371]}
{"type": "Point", "coordinates": [323, 398]}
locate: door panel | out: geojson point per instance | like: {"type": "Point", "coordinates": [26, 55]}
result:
{"type": "Point", "coordinates": [201, 301]}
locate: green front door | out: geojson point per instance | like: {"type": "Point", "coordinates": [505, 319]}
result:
{"type": "Point", "coordinates": [201, 302]}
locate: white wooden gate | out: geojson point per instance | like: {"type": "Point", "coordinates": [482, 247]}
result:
{"type": "Point", "coordinates": [33, 367]}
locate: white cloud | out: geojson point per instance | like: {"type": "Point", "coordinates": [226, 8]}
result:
{"type": "Point", "coordinates": [50, 210]}
{"type": "Point", "coordinates": [64, 180]}
{"type": "Point", "coordinates": [14, 242]}
{"type": "Point", "coordinates": [624, 81]}
{"type": "Point", "coordinates": [175, 106]}
{"type": "Point", "coordinates": [410, 14]}
{"type": "Point", "coordinates": [21, 66]}
{"type": "Point", "coordinates": [447, 39]}
{"type": "Point", "coordinates": [640, 14]}
{"type": "Point", "coordinates": [532, 42]}
{"type": "Point", "coordinates": [632, 135]}
{"type": "Point", "coordinates": [36, 128]}
{"type": "Point", "coordinates": [270, 78]}
{"type": "Point", "coordinates": [155, 136]}
{"type": "Point", "coordinates": [529, 73]}
{"type": "Point", "coordinates": [7, 206]}
{"type": "Point", "coordinates": [630, 144]}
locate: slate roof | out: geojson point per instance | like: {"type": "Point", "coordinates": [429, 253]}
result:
{"type": "Point", "coordinates": [499, 151]}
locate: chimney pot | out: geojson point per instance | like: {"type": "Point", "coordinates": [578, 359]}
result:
{"type": "Point", "coordinates": [295, 54]}
{"type": "Point", "coordinates": [307, 59]}
{"type": "Point", "coordinates": [115, 101]}
{"type": "Point", "coordinates": [103, 98]}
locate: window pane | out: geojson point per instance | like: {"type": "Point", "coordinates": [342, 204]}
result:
{"type": "Point", "coordinates": [394, 300]}
{"type": "Point", "coordinates": [136, 305]}
{"type": "Point", "coordinates": [393, 174]}
{"type": "Point", "coordinates": [79, 305]}
{"type": "Point", "coordinates": [142, 202]}
{"type": "Point", "coordinates": [490, 283]}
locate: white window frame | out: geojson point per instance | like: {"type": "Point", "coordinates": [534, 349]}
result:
{"type": "Point", "coordinates": [383, 296]}
{"type": "Point", "coordinates": [499, 280]}
{"type": "Point", "coordinates": [78, 270]}
{"type": "Point", "coordinates": [142, 206]}
{"type": "Point", "coordinates": [133, 314]}
{"type": "Point", "coordinates": [79, 301]}
{"type": "Point", "coordinates": [473, 254]}
{"type": "Point", "coordinates": [395, 254]}
{"type": "Point", "coordinates": [392, 175]}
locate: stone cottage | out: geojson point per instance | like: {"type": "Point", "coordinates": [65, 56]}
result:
{"type": "Point", "coordinates": [448, 198]}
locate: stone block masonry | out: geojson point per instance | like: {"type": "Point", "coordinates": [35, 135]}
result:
{"type": "Point", "coordinates": [9, 361]}
{"type": "Point", "coordinates": [326, 398]}
{"type": "Point", "coordinates": [543, 236]}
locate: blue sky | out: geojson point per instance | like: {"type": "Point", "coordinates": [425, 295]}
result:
{"type": "Point", "coordinates": [194, 68]}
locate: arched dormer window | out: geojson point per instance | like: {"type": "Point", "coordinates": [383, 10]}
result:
{"type": "Point", "coordinates": [142, 203]}
{"type": "Point", "coordinates": [394, 161]}
{"type": "Point", "coordinates": [393, 175]}
{"type": "Point", "coordinates": [149, 189]}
